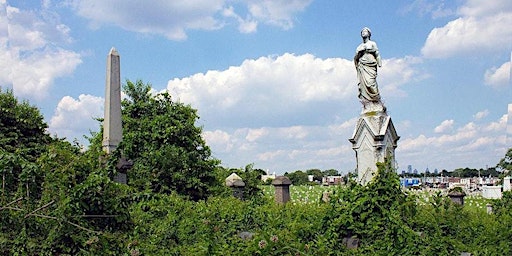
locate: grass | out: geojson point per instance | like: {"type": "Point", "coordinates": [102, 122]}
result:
{"type": "Point", "coordinates": [313, 194]}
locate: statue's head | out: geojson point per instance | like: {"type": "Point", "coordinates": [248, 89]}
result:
{"type": "Point", "coordinates": [366, 32]}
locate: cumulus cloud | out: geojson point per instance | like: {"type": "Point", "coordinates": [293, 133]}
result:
{"type": "Point", "coordinates": [446, 125]}
{"type": "Point", "coordinates": [481, 114]}
{"type": "Point", "coordinates": [173, 18]}
{"type": "Point", "coordinates": [471, 143]}
{"type": "Point", "coordinates": [498, 77]}
{"type": "Point", "coordinates": [271, 90]}
{"type": "Point", "coordinates": [477, 28]}
{"type": "Point", "coordinates": [74, 117]}
{"type": "Point", "coordinates": [285, 147]}
{"type": "Point", "coordinates": [434, 8]}
{"type": "Point", "coordinates": [33, 58]}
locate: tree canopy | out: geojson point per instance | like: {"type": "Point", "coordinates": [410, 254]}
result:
{"type": "Point", "coordinates": [161, 137]}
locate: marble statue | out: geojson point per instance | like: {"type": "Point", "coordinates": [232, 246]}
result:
{"type": "Point", "coordinates": [366, 60]}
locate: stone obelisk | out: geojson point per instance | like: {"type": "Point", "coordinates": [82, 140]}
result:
{"type": "Point", "coordinates": [112, 127]}
{"type": "Point", "coordinates": [375, 138]}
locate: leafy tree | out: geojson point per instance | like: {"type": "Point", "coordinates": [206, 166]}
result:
{"type": "Point", "coordinates": [505, 163]}
{"type": "Point", "coordinates": [330, 172]}
{"type": "Point", "coordinates": [22, 127]}
{"type": "Point", "coordinates": [297, 177]}
{"type": "Point", "coordinates": [167, 149]}
{"type": "Point", "coordinates": [317, 174]}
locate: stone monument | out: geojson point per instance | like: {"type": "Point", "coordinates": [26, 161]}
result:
{"type": "Point", "coordinates": [112, 125]}
{"type": "Point", "coordinates": [374, 138]}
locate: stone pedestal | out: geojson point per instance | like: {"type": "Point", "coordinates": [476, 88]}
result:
{"type": "Point", "coordinates": [374, 140]}
{"type": "Point", "coordinates": [282, 189]}
{"type": "Point", "coordinates": [236, 184]}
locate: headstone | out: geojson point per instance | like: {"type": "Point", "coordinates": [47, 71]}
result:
{"type": "Point", "coordinates": [282, 189]}
{"type": "Point", "coordinates": [326, 196]}
{"type": "Point", "coordinates": [351, 242]}
{"type": "Point", "coordinates": [457, 196]}
{"type": "Point", "coordinates": [506, 183]}
{"type": "Point", "coordinates": [245, 235]}
{"type": "Point", "coordinates": [236, 184]}
{"type": "Point", "coordinates": [374, 138]}
{"type": "Point", "coordinates": [489, 208]}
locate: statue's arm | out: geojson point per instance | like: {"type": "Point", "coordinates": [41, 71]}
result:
{"type": "Point", "coordinates": [377, 57]}
{"type": "Point", "coordinates": [376, 54]}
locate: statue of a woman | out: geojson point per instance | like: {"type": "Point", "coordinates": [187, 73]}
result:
{"type": "Point", "coordinates": [367, 59]}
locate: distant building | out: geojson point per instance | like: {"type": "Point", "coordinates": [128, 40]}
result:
{"type": "Point", "coordinates": [332, 180]}
{"type": "Point", "coordinates": [268, 176]}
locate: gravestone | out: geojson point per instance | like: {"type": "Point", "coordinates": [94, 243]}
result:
{"type": "Point", "coordinates": [506, 182]}
{"type": "Point", "coordinates": [457, 197]}
{"type": "Point", "coordinates": [282, 189]}
{"type": "Point", "coordinates": [374, 139]}
{"type": "Point", "coordinates": [236, 184]}
{"type": "Point", "coordinates": [489, 208]}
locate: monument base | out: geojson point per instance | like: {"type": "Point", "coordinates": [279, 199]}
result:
{"type": "Point", "coordinates": [374, 140]}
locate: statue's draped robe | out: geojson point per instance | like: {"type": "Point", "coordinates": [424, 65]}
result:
{"type": "Point", "coordinates": [367, 76]}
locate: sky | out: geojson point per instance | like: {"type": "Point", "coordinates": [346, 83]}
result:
{"type": "Point", "coordinates": [273, 80]}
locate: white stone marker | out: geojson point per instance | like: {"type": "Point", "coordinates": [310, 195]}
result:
{"type": "Point", "coordinates": [112, 128]}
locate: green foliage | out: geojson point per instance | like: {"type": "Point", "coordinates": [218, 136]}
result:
{"type": "Point", "coordinates": [160, 136]}
{"type": "Point", "coordinates": [376, 212]}
{"type": "Point", "coordinates": [298, 177]}
{"type": "Point", "coordinates": [22, 127]}
{"type": "Point", "coordinates": [505, 163]}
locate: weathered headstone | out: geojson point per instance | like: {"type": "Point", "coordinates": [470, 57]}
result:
{"type": "Point", "coordinates": [457, 196]}
{"type": "Point", "coordinates": [489, 208]}
{"type": "Point", "coordinates": [374, 138]}
{"type": "Point", "coordinates": [506, 183]}
{"type": "Point", "coordinates": [351, 242]}
{"type": "Point", "coordinates": [282, 189]}
{"type": "Point", "coordinates": [236, 184]}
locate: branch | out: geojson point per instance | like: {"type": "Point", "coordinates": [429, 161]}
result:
{"type": "Point", "coordinates": [13, 202]}
{"type": "Point", "coordinates": [42, 207]}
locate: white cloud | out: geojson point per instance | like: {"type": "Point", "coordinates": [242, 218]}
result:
{"type": "Point", "coordinates": [73, 118]}
{"type": "Point", "coordinates": [270, 90]}
{"type": "Point", "coordinates": [481, 114]}
{"type": "Point", "coordinates": [437, 9]}
{"type": "Point", "coordinates": [32, 58]}
{"type": "Point", "coordinates": [446, 125]}
{"type": "Point", "coordinates": [285, 148]}
{"type": "Point", "coordinates": [498, 77]}
{"type": "Point", "coordinates": [173, 18]}
{"type": "Point", "coordinates": [482, 26]}
{"type": "Point", "coordinates": [472, 144]}
{"type": "Point", "coordinates": [32, 75]}
{"type": "Point", "coordinates": [277, 12]}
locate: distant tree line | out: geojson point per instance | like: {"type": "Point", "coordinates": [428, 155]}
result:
{"type": "Point", "coordinates": [300, 177]}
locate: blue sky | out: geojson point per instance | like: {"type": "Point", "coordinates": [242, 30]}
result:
{"type": "Point", "coordinates": [273, 80]}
